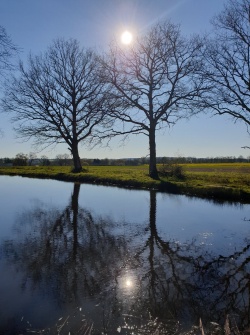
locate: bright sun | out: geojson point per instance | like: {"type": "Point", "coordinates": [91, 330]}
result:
{"type": "Point", "coordinates": [126, 37]}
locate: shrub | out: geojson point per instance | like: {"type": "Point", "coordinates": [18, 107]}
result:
{"type": "Point", "coordinates": [172, 170]}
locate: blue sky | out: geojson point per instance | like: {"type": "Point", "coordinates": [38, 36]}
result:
{"type": "Point", "coordinates": [34, 24]}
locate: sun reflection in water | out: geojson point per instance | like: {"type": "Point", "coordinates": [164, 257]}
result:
{"type": "Point", "coordinates": [129, 282]}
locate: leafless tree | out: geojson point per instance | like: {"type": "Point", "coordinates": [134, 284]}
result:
{"type": "Point", "coordinates": [157, 80]}
{"type": "Point", "coordinates": [32, 157]}
{"type": "Point", "coordinates": [21, 159]}
{"type": "Point", "coordinates": [7, 50]}
{"type": "Point", "coordinates": [63, 159]}
{"type": "Point", "coordinates": [58, 98]}
{"type": "Point", "coordinates": [44, 160]}
{"type": "Point", "coordinates": [228, 62]}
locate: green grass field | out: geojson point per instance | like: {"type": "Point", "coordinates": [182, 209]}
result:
{"type": "Point", "coordinates": [228, 181]}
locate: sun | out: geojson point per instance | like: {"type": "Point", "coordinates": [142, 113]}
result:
{"type": "Point", "coordinates": [126, 37]}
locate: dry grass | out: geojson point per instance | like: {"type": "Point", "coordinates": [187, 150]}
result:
{"type": "Point", "coordinates": [74, 324]}
{"type": "Point", "coordinates": [78, 325]}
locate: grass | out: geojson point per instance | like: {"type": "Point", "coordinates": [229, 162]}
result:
{"type": "Point", "coordinates": [228, 181]}
{"type": "Point", "coordinates": [231, 180]}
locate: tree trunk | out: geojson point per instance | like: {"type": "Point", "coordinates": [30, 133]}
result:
{"type": "Point", "coordinates": [153, 173]}
{"type": "Point", "coordinates": [74, 208]}
{"type": "Point", "coordinates": [153, 236]}
{"type": "Point", "coordinates": [152, 214]}
{"type": "Point", "coordinates": [76, 158]}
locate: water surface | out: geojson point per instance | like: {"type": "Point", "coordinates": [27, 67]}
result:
{"type": "Point", "coordinates": [118, 259]}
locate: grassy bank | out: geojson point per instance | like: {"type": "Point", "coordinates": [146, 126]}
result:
{"type": "Point", "coordinates": [230, 181]}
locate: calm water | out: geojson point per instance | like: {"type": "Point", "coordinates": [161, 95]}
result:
{"type": "Point", "coordinates": [112, 261]}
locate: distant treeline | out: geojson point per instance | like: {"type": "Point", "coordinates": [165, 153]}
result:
{"type": "Point", "coordinates": [65, 160]}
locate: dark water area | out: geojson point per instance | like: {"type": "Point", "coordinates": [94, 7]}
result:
{"type": "Point", "coordinates": [113, 261]}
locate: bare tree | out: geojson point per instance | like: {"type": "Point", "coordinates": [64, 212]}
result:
{"type": "Point", "coordinates": [21, 159]}
{"type": "Point", "coordinates": [63, 160]}
{"type": "Point", "coordinates": [58, 98]}
{"type": "Point", "coordinates": [32, 157]}
{"type": "Point", "coordinates": [44, 160]}
{"type": "Point", "coordinates": [7, 50]}
{"type": "Point", "coordinates": [228, 62]}
{"type": "Point", "coordinates": [157, 80]}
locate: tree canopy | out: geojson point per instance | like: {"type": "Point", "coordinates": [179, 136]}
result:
{"type": "Point", "coordinates": [72, 95]}
{"type": "Point", "coordinates": [58, 97]}
{"type": "Point", "coordinates": [227, 55]}
{"type": "Point", "coordinates": [7, 50]}
{"type": "Point", "coordinates": [157, 79]}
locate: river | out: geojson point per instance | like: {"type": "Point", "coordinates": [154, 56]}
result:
{"type": "Point", "coordinates": [108, 260]}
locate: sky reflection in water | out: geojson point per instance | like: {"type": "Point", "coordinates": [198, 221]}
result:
{"type": "Point", "coordinates": [120, 257]}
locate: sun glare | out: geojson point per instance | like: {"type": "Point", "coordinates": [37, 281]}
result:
{"type": "Point", "coordinates": [128, 283]}
{"type": "Point", "coordinates": [126, 37]}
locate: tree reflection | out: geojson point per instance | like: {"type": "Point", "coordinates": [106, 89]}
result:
{"type": "Point", "coordinates": [73, 255]}
{"type": "Point", "coordinates": [186, 282]}
{"type": "Point", "coordinates": [69, 249]}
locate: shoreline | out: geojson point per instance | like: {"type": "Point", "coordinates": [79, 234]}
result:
{"type": "Point", "coordinates": [216, 193]}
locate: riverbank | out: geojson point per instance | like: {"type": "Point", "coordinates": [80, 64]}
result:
{"type": "Point", "coordinates": [220, 182]}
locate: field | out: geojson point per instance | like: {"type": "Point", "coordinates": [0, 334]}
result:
{"type": "Point", "coordinates": [227, 181]}
{"type": "Point", "coordinates": [236, 175]}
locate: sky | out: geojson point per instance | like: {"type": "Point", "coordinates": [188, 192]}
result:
{"type": "Point", "coordinates": [34, 24]}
